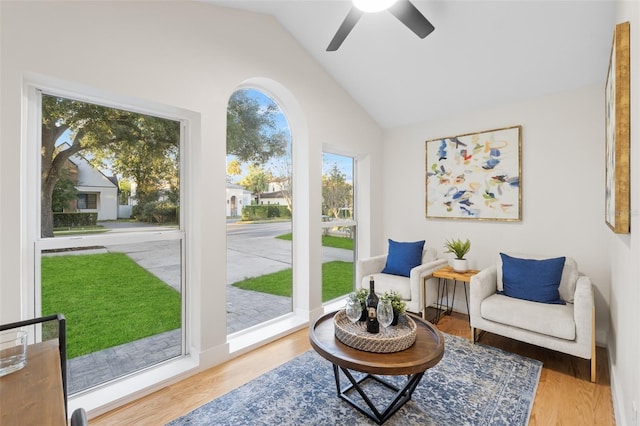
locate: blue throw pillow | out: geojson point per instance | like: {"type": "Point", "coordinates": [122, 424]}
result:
{"type": "Point", "coordinates": [534, 280]}
{"type": "Point", "coordinates": [403, 257]}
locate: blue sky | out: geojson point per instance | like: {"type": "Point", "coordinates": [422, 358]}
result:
{"type": "Point", "coordinates": [345, 164]}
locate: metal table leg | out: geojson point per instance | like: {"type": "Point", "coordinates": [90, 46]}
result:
{"type": "Point", "coordinates": [400, 398]}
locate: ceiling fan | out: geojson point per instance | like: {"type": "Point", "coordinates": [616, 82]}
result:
{"type": "Point", "coordinates": [404, 10]}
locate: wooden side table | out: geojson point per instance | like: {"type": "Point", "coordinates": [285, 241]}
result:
{"type": "Point", "coordinates": [447, 273]}
{"type": "Point", "coordinates": [34, 395]}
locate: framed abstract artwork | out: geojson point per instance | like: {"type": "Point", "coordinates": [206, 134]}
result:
{"type": "Point", "coordinates": [617, 134]}
{"type": "Point", "coordinates": [475, 176]}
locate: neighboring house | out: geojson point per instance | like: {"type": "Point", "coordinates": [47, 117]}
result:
{"type": "Point", "coordinates": [96, 192]}
{"type": "Point", "coordinates": [276, 194]}
{"type": "Point", "coordinates": [276, 197]}
{"type": "Point", "coordinates": [237, 197]}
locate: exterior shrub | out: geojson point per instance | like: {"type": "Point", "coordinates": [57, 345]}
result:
{"type": "Point", "coordinates": [157, 211]}
{"type": "Point", "coordinates": [262, 212]}
{"type": "Point", "coordinates": [71, 220]}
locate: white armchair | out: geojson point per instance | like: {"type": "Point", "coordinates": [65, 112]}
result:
{"type": "Point", "coordinates": [410, 288]}
{"type": "Point", "coordinates": [568, 328]}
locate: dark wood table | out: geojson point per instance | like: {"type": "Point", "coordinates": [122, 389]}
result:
{"type": "Point", "coordinates": [426, 352]}
{"type": "Point", "coordinates": [34, 394]}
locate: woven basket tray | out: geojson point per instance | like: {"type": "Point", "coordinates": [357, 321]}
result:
{"type": "Point", "coordinates": [392, 339]}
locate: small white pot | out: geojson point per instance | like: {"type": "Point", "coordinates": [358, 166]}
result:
{"type": "Point", "coordinates": [460, 265]}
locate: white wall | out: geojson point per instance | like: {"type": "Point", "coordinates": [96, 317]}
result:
{"type": "Point", "coordinates": [623, 255]}
{"type": "Point", "coordinates": [191, 56]}
{"type": "Point", "coordinates": [562, 187]}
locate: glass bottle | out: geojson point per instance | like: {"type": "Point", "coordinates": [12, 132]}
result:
{"type": "Point", "coordinates": [373, 326]}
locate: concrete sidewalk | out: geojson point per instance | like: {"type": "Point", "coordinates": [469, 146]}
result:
{"type": "Point", "coordinates": [250, 253]}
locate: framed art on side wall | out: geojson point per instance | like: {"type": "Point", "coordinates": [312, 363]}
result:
{"type": "Point", "coordinates": [475, 176]}
{"type": "Point", "coordinates": [617, 133]}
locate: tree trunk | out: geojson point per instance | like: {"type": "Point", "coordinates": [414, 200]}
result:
{"type": "Point", "coordinates": [46, 210]}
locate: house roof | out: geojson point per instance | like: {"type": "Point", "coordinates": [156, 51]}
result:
{"type": "Point", "coordinates": [276, 194]}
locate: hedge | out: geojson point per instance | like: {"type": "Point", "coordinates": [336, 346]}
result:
{"type": "Point", "coordinates": [70, 220]}
{"type": "Point", "coordinates": [267, 211]}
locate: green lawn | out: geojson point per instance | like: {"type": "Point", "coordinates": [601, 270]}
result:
{"type": "Point", "coordinates": [107, 299]}
{"type": "Point", "coordinates": [337, 280]}
{"type": "Point", "coordinates": [327, 241]}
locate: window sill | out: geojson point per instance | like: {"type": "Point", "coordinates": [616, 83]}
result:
{"type": "Point", "coordinates": [251, 338]}
{"type": "Point", "coordinates": [108, 397]}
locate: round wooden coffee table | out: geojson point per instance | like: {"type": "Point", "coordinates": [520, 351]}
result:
{"type": "Point", "coordinates": [426, 352]}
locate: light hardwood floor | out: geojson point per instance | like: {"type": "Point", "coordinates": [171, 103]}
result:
{"type": "Point", "coordinates": [565, 395]}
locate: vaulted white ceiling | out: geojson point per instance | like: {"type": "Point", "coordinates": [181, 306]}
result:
{"type": "Point", "coordinates": [482, 53]}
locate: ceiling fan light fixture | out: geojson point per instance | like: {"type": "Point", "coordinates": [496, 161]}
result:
{"type": "Point", "coordinates": [373, 5]}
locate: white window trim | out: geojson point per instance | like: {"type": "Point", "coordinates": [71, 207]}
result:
{"type": "Point", "coordinates": [108, 396]}
{"type": "Point", "coordinates": [334, 305]}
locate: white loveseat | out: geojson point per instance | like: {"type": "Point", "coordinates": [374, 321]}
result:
{"type": "Point", "coordinates": [410, 288]}
{"type": "Point", "coordinates": [568, 328]}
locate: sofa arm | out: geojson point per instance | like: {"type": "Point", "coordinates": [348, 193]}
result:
{"type": "Point", "coordinates": [418, 274]}
{"type": "Point", "coordinates": [372, 265]}
{"type": "Point", "coordinates": [482, 285]}
{"type": "Point", "coordinates": [583, 305]}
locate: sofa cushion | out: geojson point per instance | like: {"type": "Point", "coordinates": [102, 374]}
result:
{"type": "Point", "coordinates": [551, 320]}
{"type": "Point", "coordinates": [534, 280]}
{"type": "Point", "coordinates": [386, 282]}
{"type": "Point", "coordinates": [568, 281]}
{"type": "Point", "coordinates": [403, 257]}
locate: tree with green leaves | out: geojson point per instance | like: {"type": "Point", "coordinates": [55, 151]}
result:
{"type": "Point", "coordinates": [253, 135]}
{"type": "Point", "coordinates": [124, 191]}
{"type": "Point", "coordinates": [64, 192]}
{"type": "Point", "coordinates": [142, 147]}
{"type": "Point", "coordinates": [257, 180]}
{"type": "Point", "coordinates": [337, 193]}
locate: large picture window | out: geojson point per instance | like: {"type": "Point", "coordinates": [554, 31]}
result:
{"type": "Point", "coordinates": [110, 247]}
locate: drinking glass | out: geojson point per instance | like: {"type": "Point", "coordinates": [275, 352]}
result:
{"type": "Point", "coordinates": [354, 309]}
{"type": "Point", "coordinates": [13, 351]}
{"type": "Point", "coordinates": [385, 312]}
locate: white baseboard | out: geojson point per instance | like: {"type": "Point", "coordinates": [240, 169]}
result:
{"type": "Point", "coordinates": [618, 405]}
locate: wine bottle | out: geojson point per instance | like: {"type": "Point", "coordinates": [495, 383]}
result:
{"type": "Point", "coordinates": [373, 326]}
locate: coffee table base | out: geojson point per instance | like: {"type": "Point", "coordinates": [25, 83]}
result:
{"type": "Point", "coordinates": [400, 398]}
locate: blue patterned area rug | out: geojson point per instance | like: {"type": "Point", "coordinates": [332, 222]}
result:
{"type": "Point", "coordinates": [471, 385]}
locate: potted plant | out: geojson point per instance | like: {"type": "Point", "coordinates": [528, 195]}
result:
{"type": "Point", "coordinates": [459, 248]}
{"type": "Point", "coordinates": [361, 296]}
{"type": "Point", "coordinates": [399, 307]}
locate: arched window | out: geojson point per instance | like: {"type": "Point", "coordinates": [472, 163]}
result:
{"type": "Point", "coordinates": [259, 231]}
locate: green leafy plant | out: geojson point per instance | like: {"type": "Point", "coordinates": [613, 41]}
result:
{"type": "Point", "coordinates": [399, 307]}
{"type": "Point", "coordinates": [458, 247]}
{"type": "Point", "coordinates": [361, 294]}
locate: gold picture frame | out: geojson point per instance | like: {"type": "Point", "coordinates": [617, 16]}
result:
{"type": "Point", "coordinates": [617, 133]}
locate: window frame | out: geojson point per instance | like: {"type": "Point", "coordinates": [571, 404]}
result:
{"type": "Point", "coordinates": [33, 243]}
{"type": "Point", "coordinates": [345, 222]}
{"type": "Point", "coordinates": [90, 199]}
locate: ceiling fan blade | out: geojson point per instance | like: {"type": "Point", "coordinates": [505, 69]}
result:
{"type": "Point", "coordinates": [409, 15]}
{"type": "Point", "coordinates": [347, 25]}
